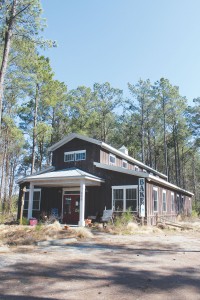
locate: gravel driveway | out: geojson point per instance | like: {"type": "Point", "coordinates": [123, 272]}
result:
{"type": "Point", "coordinates": [143, 266]}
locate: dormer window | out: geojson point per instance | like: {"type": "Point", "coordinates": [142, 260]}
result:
{"type": "Point", "coordinates": [80, 155]}
{"type": "Point", "coordinates": [75, 155]}
{"type": "Point", "coordinates": [68, 156]}
{"type": "Point", "coordinates": [124, 164]}
{"type": "Point", "coordinates": [112, 159]}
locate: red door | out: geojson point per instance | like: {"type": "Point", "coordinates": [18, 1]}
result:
{"type": "Point", "coordinates": [71, 206]}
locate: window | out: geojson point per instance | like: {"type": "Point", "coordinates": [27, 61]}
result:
{"type": "Point", "coordinates": [136, 168]}
{"type": "Point", "coordinates": [124, 164]}
{"type": "Point", "coordinates": [172, 201]}
{"type": "Point", "coordinates": [75, 155]}
{"type": "Point", "coordinates": [36, 199]}
{"type": "Point", "coordinates": [125, 197]}
{"type": "Point", "coordinates": [178, 203]}
{"type": "Point", "coordinates": [112, 159]}
{"type": "Point", "coordinates": [118, 199]}
{"type": "Point", "coordinates": [164, 201]}
{"type": "Point", "coordinates": [68, 156]}
{"type": "Point", "coordinates": [80, 155]}
{"type": "Point", "coordinates": [155, 199]}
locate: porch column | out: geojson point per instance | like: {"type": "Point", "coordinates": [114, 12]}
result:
{"type": "Point", "coordinates": [82, 204]}
{"type": "Point", "coordinates": [30, 201]}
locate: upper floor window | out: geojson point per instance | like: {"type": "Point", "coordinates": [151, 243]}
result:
{"type": "Point", "coordinates": [80, 155]}
{"type": "Point", "coordinates": [112, 159]}
{"type": "Point", "coordinates": [124, 164]}
{"type": "Point", "coordinates": [69, 156]}
{"type": "Point", "coordinates": [75, 155]}
{"type": "Point", "coordinates": [136, 168]}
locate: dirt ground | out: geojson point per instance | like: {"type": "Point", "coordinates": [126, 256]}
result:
{"type": "Point", "coordinates": [161, 265]}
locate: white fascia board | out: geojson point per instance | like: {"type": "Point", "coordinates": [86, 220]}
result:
{"type": "Point", "coordinates": [129, 158]}
{"type": "Point", "coordinates": [168, 184]}
{"type": "Point", "coordinates": [121, 170]}
{"type": "Point", "coordinates": [144, 175]}
{"type": "Point", "coordinates": [70, 137]}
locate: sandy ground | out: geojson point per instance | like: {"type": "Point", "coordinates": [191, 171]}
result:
{"type": "Point", "coordinates": [142, 266]}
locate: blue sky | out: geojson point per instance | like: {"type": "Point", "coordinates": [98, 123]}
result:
{"type": "Point", "coordinates": [121, 41]}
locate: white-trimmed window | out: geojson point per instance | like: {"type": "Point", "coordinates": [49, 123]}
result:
{"type": "Point", "coordinates": [124, 164]}
{"type": "Point", "coordinates": [68, 156]}
{"type": "Point", "coordinates": [36, 199]}
{"type": "Point", "coordinates": [164, 204]}
{"type": "Point", "coordinates": [136, 168]}
{"type": "Point", "coordinates": [75, 155]}
{"type": "Point", "coordinates": [178, 203]}
{"type": "Point", "coordinates": [155, 199]}
{"type": "Point", "coordinates": [112, 159]}
{"type": "Point", "coordinates": [125, 197]}
{"type": "Point", "coordinates": [172, 202]}
{"type": "Point", "coordinates": [80, 155]}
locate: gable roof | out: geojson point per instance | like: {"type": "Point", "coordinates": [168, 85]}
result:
{"type": "Point", "coordinates": [111, 149]}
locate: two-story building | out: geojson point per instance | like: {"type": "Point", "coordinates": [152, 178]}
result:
{"type": "Point", "coordinates": [88, 176]}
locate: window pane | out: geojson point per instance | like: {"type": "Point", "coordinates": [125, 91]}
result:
{"type": "Point", "coordinates": [81, 156]}
{"type": "Point", "coordinates": [36, 205]}
{"type": "Point", "coordinates": [155, 200]}
{"type": "Point", "coordinates": [164, 201]}
{"type": "Point", "coordinates": [26, 196]}
{"type": "Point", "coordinates": [112, 159]}
{"type": "Point", "coordinates": [26, 204]}
{"type": "Point", "coordinates": [36, 196]}
{"type": "Point", "coordinates": [130, 194]}
{"type": "Point", "coordinates": [132, 205]}
{"type": "Point", "coordinates": [118, 205]}
{"type": "Point", "coordinates": [118, 194]}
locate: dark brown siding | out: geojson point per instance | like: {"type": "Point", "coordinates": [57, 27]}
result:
{"type": "Point", "coordinates": [92, 154]}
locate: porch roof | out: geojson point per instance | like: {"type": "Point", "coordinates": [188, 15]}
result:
{"type": "Point", "coordinates": [62, 178]}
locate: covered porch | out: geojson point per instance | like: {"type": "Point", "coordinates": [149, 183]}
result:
{"type": "Point", "coordinates": [69, 182]}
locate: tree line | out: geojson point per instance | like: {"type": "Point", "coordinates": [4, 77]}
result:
{"type": "Point", "coordinates": [154, 122]}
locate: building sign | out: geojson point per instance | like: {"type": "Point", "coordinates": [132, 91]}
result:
{"type": "Point", "coordinates": [142, 197]}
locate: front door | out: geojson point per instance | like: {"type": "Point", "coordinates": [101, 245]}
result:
{"type": "Point", "coordinates": [71, 207]}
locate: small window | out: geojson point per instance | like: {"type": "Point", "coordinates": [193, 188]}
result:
{"type": "Point", "coordinates": [75, 155]}
{"type": "Point", "coordinates": [172, 201]}
{"type": "Point", "coordinates": [68, 156]}
{"type": "Point", "coordinates": [80, 155]}
{"type": "Point", "coordinates": [155, 199]}
{"type": "Point", "coordinates": [112, 159]}
{"type": "Point", "coordinates": [36, 199]}
{"type": "Point", "coordinates": [124, 164]}
{"type": "Point", "coordinates": [136, 168]}
{"type": "Point", "coordinates": [164, 201]}
{"type": "Point", "coordinates": [145, 171]}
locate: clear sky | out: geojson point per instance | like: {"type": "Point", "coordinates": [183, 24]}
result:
{"type": "Point", "coordinates": [121, 41]}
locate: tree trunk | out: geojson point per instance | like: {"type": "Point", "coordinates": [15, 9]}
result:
{"type": "Point", "coordinates": [35, 128]}
{"type": "Point", "coordinates": [6, 50]}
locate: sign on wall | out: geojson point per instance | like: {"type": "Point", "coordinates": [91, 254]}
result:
{"type": "Point", "coordinates": [142, 197]}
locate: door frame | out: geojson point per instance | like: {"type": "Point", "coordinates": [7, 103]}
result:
{"type": "Point", "coordinates": [75, 189]}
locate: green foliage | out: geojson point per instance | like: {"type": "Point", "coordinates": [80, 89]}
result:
{"type": "Point", "coordinates": [123, 219]}
{"type": "Point", "coordinates": [25, 221]}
